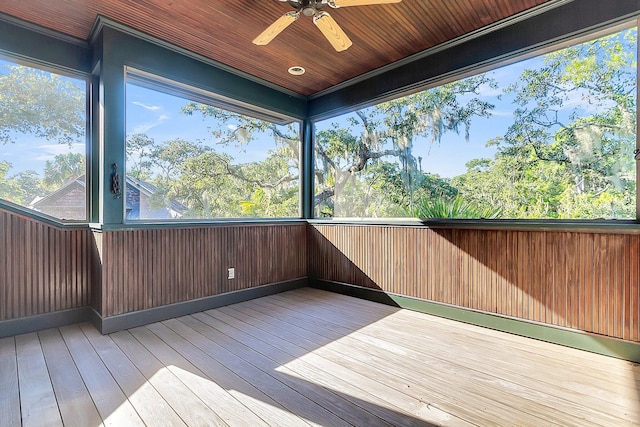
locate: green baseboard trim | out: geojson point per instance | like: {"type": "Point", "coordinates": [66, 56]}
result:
{"type": "Point", "coordinates": [107, 325]}
{"type": "Point", "coordinates": [586, 341]}
{"type": "Point", "coordinates": [39, 322]}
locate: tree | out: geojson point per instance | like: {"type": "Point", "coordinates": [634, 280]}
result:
{"type": "Point", "coordinates": [138, 150]}
{"type": "Point", "coordinates": [8, 189]}
{"type": "Point", "coordinates": [35, 103]}
{"type": "Point", "coordinates": [21, 188]}
{"type": "Point", "coordinates": [367, 166]}
{"type": "Point", "coordinates": [62, 168]}
{"type": "Point", "coordinates": [388, 131]}
{"type": "Point", "coordinates": [41, 104]}
{"type": "Point", "coordinates": [561, 158]}
{"type": "Point", "coordinates": [219, 186]}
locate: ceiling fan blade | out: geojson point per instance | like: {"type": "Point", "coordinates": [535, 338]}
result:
{"type": "Point", "coordinates": [276, 28]}
{"type": "Point", "coordinates": [332, 31]}
{"type": "Point", "coordinates": [345, 3]}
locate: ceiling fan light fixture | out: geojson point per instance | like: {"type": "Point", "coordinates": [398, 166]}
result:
{"type": "Point", "coordinates": [308, 11]}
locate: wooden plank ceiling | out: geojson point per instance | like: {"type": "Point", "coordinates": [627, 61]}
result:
{"type": "Point", "coordinates": [222, 30]}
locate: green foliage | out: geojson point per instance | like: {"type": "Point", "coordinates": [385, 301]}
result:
{"type": "Point", "coordinates": [456, 207]}
{"type": "Point", "coordinates": [9, 189]}
{"type": "Point", "coordinates": [21, 188]}
{"type": "Point", "coordinates": [202, 176]}
{"type": "Point", "coordinates": [42, 104]}
{"type": "Point", "coordinates": [436, 111]}
{"type": "Point", "coordinates": [376, 148]}
{"type": "Point", "coordinates": [566, 154]}
{"type": "Point", "coordinates": [432, 186]}
{"type": "Point", "coordinates": [139, 149]}
{"type": "Point", "coordinates": [28, 186]}
{"type": "Point", "coordinates": [62, 168]}
{"type": "Point", "coordinates": [561, 158]}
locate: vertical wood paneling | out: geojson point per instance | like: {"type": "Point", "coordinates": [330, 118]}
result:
{"type": "Point", "coordinates": [95, 258]}
{"type": "Point", "coordinates": [578, 280]}
{"type": "Point", "coordinates": [154, 267]}
{"type": "Point", "coordinates": [634, 255]}
{"type": "Point", "coordinates": [42, 268]}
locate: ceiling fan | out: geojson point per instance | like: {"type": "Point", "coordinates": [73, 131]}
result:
{"type": "Point", "coordinates": [325, 23]}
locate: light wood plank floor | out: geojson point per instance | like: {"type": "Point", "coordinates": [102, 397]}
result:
{"type": "Point", "coordinates": [308, 357]}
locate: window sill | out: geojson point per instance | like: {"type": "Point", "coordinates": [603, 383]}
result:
{"type": "Point", "coordinates": [222, 222]}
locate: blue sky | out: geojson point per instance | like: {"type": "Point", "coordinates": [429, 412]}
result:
{"type": "Point", "coordinates": [32, 153]}
{"type": "Point", "coordinates": [448, 157]}
{"type": "Point", "coordinates": [158, 115]}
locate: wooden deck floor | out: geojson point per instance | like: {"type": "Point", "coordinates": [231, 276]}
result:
{"type": "Point", "coordinates": [308, 357]}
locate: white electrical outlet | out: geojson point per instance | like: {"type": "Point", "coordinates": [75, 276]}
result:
{"type": "Point", "coordinates": [232, 273]}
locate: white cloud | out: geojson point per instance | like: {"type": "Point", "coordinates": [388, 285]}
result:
{"type": "Point", "coordinates": [581, 100]}
{"type": "Point", "coordinates": [146, 126]}
{"type": "Point", "coordinates": [145, 106]}
{"type": "Point", "coordinates": [487, 90]}
{"type": "Point", "coordinates": [50, 151]}
{"type": "Point", "coordinates": [157, 111]}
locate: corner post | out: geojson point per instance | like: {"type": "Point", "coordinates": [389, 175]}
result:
{"type": "Point", "coordinates": [307, 170]}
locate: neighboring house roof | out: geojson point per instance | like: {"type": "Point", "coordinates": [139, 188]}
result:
{"type": "Point", "coordinates": [149, 189]}
{"type": "Point", "coordinates": [61, 192]}
{"type": "Point", "coordinates": [69, 201]}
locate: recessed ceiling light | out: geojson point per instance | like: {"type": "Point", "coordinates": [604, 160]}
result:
{"type": "Point", "coordinates": [296, 71]}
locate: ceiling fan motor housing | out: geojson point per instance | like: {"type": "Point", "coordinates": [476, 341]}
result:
{"type": "Point", "coordinates": [307, 7]}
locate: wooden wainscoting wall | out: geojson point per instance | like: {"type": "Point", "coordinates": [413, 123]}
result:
{"type": "Point", "coordinates": [578, 280]}
{"type": "Point", "coordinates": [147, 268]}
{"type": "Point", "coordinates": [43, 268]}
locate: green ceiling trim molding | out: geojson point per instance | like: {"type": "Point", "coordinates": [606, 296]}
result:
{"type": "Point", "coordinates": [160, 60]}
{"type": "Point", "coordinates": [102, 22]}
{"type": "Point", "coordinates": [26, 41]}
